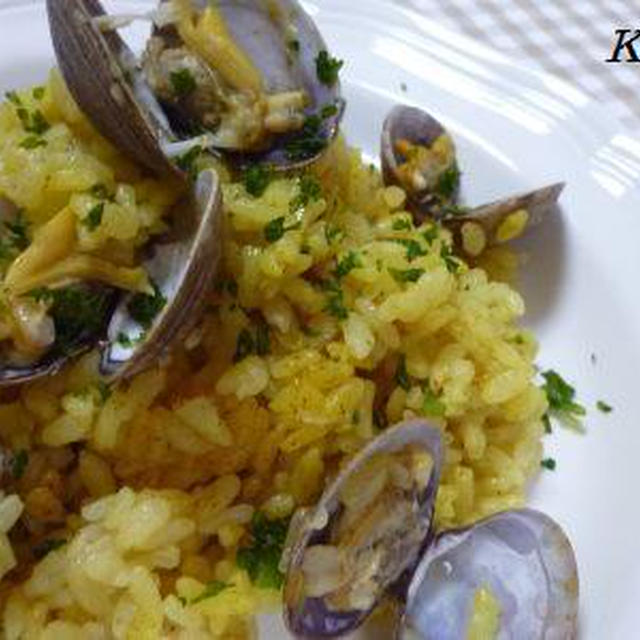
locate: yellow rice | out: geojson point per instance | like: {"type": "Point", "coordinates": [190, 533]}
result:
{"type": "Point", "coordinates": [154, 487]}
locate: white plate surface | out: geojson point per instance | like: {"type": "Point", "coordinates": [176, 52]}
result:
{"type": "Point", "coordinates": [515, 129]}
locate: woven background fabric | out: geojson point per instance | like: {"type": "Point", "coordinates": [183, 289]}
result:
{"type": "Point", "coordinates": [568, 38]}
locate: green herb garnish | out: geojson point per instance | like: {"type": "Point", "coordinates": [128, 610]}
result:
{"type": "Point", "coordinates": [144, 308]}
{"type": "Point", "coordinates": [211, 590]}
{"type": "Point", "coordinates": [432, 405]}
{"type": "Point", "coordinates": [104, 390]}
{"type": "Point", "coordinates": [77, 311]}
{"type": "Point", "coordinates": [100, 191]}
{"type": "Point", "coordinates": [309, 191]}
{"type": "Point", "coordinates": [33, 142]}
{"type": "Point", "coordinates": [19, 464]}
{"type": "Point", "coordinates": [335, 300]}
{"type": "Point", "coordinates": [294, 45]}
{"type": "Point", "coordinates": [402, 376]}
{"type": "Point", "coordinates": [13, 98]}
{"type": "Point", "coordinates": [604, 407]}
{"type": "Point", "coordinates": [561, 395]}
{"type": "Point", "coordinates": [261, 558]}
{"type": "Point", "coordinates": [256, 179]}
{"type": "Point", "coordinates": [38, 93]}
{"type": "Point", "coordinates": [448, 182]}
{"type": "Point", "coordinates": [93, 219]}
{"type": "Point", "coordinates": [431, 234]}
{"type": "Point", "coordinates": [244, 345]}
{"type": "Point", "coordinates": [350, 262]}
{"type": "Point", "coordinates": [183, 83]}
{"type": "Point", "coordinates": [33, 122]}
{"type": "Point", "coordinates": [328, 111]}
{"type": "Point", "coordinates": [413, 247]}
{"type": "Point", "coordinates": [18, 232]}
{"type": "Point", "coordinates": [187, 161]}
{"type": "Point", "coordinates": [450, 261]}
{"type": "Point", "coordinates": [309, 141]}
{"type": "Point", "coordinates": [549, 464]}
{"type": "Point", "coordinates": [328, 68]}
{"type": "Point", "coordinates": [406, 275]}
{"type": "Point", "coordinates": [402, 224]}
{"type": "Point", "coordinates": [331, 233]}
{"type": "Point", "coordinates": [263, 340]}
{"type": "Point", "coordinates": [274, 230]}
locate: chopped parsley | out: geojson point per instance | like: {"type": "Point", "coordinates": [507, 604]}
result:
{"type": "Point", "coordinates": [45, 547]}
{"type": "Point", "coordinates": [188, 161]}
{"type": "Point", "coordinates": [77, 311]}
{"type": "Point", "coordinates": [402, 376]}
{"type": "Point", "coordinates": [350, 262]}
{"type": "Point", "coordinates": [406, 275]}
{"type": "Point", "coordinates": [309, 191]}
{"type": "Point", "coordinates": [328, 111]}
{"type": "Point", "coordinates": [183, 83]}
{"type": "Point", "coordinates": [99, 191]}
{"type": "Point", "coordinates": [402, 224]}
{"type": "Point", "coordinates": [448, 182]}
{"type": "Point", "coordinates": [263, 339]}
{"type": "Point", "coordinates": [274, 230]}
{"type": "Point", "coordinates": [549, 464]}
{"type": "Point", "coordinates": [450, 261]}
{"type": "Point", "coordinates": [335, 301]}
{"type": "Point", "coordinates": [432, 405]}
{"type": "Point", "coordinates": [256, 179]}
{"type": "Point", "coordinates": [19, 464]}
{"type": "Point", "coordinates": [561, 395]}
{"type": "Point", "coordinates": [38, 93]}
{"type": "Point", "coordinates": [294, 45]}
{"type": "Point", "coordinates": [13, 98]}
{"type": "Point", "coordinates": [453, 211]}
{"type": "Point", "coordinates": [309, 142]}
{"type": "Point", "coordinates": [261, 557]}
{"type": "Point", "coordinates": [328, 68]}
{"type": "Point", "coordinates": [93, 219]}
{"type": "Point", "coordinates": [546, 421]}
{"type": "Point", "coordinates": [355, 416]}
{"type": "Point", "coordinates": [211, 590]}
{"type": "Point", "coordinates": [413, 247]}
{"type": "Point", "coordinates": [431, 234]}
{"type": "Point", "coordinates": [127, 341]}
{"type": "Point", "coordinates": [604, 407]}
{"type": "Point", "coordinates": [18, 232]}
{"type": "Point", "coordinates": [244, 345]}
{"type": "Point", "coordinates": [144, 308]}
{"type": "Point", "coordinates": [33, 121]}
{"type": "Point", "coordinates": [331, 233]}
{"type": "Point", "coordinates": [33, 142]}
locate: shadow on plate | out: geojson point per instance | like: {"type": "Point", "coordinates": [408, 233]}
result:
{"type": "Point", "coordinates": [542, 275]}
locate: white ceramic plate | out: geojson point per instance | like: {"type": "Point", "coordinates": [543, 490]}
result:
{"type": "Point", "coordinates": [515, 129]}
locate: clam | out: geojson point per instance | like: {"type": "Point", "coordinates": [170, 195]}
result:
{"type": "Point", "coordinates": [182, 266]}
{"type": "Point", "coordinates": [367, 529]}
{"type": "Point", "coordinates": [418, 154]}
{"type": "Point", "coordinates": [520, 562]}
{"type": "Point", "coordinates": [239, 77]}
{"type": "Point", "coordinates": [370, 537]}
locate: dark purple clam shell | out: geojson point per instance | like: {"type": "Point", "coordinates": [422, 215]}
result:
{"type": "Point", "coordinates": [309, 617]}
{"type": "Point", "coordinates": [522, 556]}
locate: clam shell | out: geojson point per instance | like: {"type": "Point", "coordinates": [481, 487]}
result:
{"type": "Point", "coordinates": [418, 127]}
{"type": "Point", "coordinates": [183, 266]}
{"type": "Point", "coordinates": [308, 617]}
{"type": "Point", "coordinates": [523, 557]}
{"type": "Point", "coordinates": [95, 65]}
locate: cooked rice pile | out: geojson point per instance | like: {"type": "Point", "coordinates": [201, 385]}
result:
{"type": "Point", "coordinates": [348, 319]}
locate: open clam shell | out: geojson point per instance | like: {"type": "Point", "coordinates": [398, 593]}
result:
{"type": "Point", "coordinates": [317, 617]}
{"type": "Point", "coordinates": [420, 180]}
{"type": "Point", "coordinates": [99, 69]}
{"type": "Point", "coordinates": [522, 558]}
{"type": "Point", "coordinates": [182, 266]}
{"type": "Point", "coordinates": [105, 79]}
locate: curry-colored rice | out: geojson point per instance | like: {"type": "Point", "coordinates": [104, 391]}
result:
{"type": "Point", "coordinates": [153, 486]}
